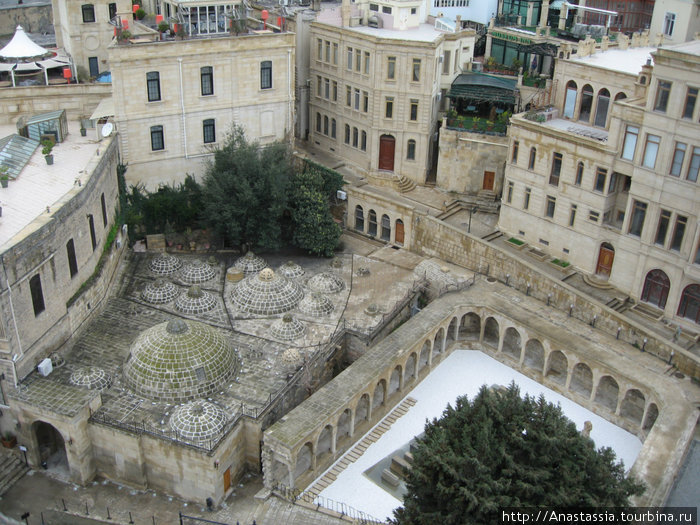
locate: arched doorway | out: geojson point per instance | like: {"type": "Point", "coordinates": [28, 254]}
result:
{"type": "Point", "coordinates": [656, 286]}
{"type": "Point", "coordinates": [606, 255]}
{"type": "Point", "coordinates": [690, 303]}
{"type": "Point", "coordinates": [52, 448]}
{"type": "Point", "coordinates": [398, 232]}
{"type": "Point", "coordinates": [387, 148]}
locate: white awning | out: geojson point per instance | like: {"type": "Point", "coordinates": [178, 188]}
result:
{"type": "Point", "coordinates": [21, 46]}
{"type": "Point", "coordinates": [104, 109]}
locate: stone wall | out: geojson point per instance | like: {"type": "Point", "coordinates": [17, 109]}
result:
{"type": "Point", "coordinates": [36, 18]}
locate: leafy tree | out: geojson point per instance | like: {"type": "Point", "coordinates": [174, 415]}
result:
{"type": "Point", "coordinates": [501, 450]}
{"type": "Point", "coordinates": [314, 229]}
{"type": "Point", "coordinates": [245, 189]}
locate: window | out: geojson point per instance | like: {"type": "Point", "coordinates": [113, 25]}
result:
{"type": "Point", "coordinates": [584, 112]}
{"type": "Point", "coordinates": [207, 77]}
{"type": "Point", "coordinates": [612, 186]}
{"type": "Point", "coordinates": [416, 70]}
{"type": "Point", "coordinates": [694, 166]}
{"type": "Point", "coordinates": [572, 214]}
{"type": "Point", "coordinates": [208, 131]}
{"type": "Point", "coordinates": [570, 100]}
{"type": "Point", "coordinates": [359, 218]}
{"type": "Point", "coordinates": [347, 134]}
{"type": "Point", "coordinates": [153, 86]}
{"type": "Point", "coordinates": [319, 86]}
{"type": "Point", "coordinates": [112, 10]}
{"type": "Point", "coordinates": [690, 99]}
{"type": "Point", "coordinates": [697, 254]}
{"type": "Point", "coordinates": [669, 22]}
{"type": "Point", "coordinates": [601, 112]}
{"type": "Point", "coordinates": [650, 150]}
{"type": "Point", "coordinates": [690, 303]}
{"type": "Point", "coordinates": [318, 122]}
{"type": "Point", "coordinates": [662, 228]}
{"type": "Point", "coordinates": [358, 60]}
{"type": "Point", "coordinates": [72, 261]}
{"type": "Point", "coordinates": [630, 143]}
{"type": "Point", "coordinates": [328, 51]}
{"type": "Point", "coordinates": [663, 92]}
{"type": "Point", "coordinates": [593, 216]}
{"type": "Point", "coordinates": [365, 102]}
{"type": "Point", "coordinates": [37, 294]}
{"type": "Point", "coordinates": [88, 13]}
{"type": "Point", "coordinates": [514, 154]}
{"type": "Point", "coordinates": [551, 204]}
{"type": "Point", "coordinates": [509, 194]}
{"type": "Point", "coordinates": [327, 88]}
{"type": "Point", "coordinates": [335, 91]}
{"type": "Point", "coordinates": [600, 176]}
{"type": "Point", "coordinates": [348, 96]}
{"type": "Point", "coordinates": [319, 49]}
{"type": "Point", "coordinates": [355, 137]}
{"type": "Point", "coordinates": [639, 211]}
{"type": "Point", "coordinates": [389, 107]}
{"type": "Point", "coordinates": [326, 124]}
{"type": "Point", "coordinates": [372, 229]}
{"type": "Point", "coordinates": [335, 53]}
{"type": "Point", "coordinates": [357, 99]}
{"type": "Point", "coordinates": [391, 68]}
{"type": "Point", "coordinates": [363, 140]}
{"type": "Point", "coordinates": [414, 109]}
{"type": "Point", "coordinates": [104, 210]}
{"type": "Point", "coordinates": [386, 10]}
{"type": "Point", "coordinates": [677, 161]}
{"type": "Point", "coordinates": [94, 66]}
{"type": "Point", "coordinates": [556, 169]}
{"type": "Point", "coordinates": [446, 62]}
{"type": "Point", "coordinates": [333, 128]}
{"type": "Point", "coordinates": [93, 238]}
{"type": "Point", "coordinates": [411, 150]}
{"type": "Point", "coordinates": [366, 62]}
{"type": "Point", "coordinates": [533, 156]}
{"type": "Point", "coordinates": [266, 74]}
{"type": "Point", "coordinates": [374, 7]}
{"type": "Point", "coordinates": [348, 60]}
{"type": "Point", "coordinates": [157, 142]}
{"type": "Point", "coordinates": [579, 174]}
{"type": "Point", "coordinates": [386, 228]}
{"type": "Point", "coordinates": [413, 10]}
{"type": "Point", "coordinates": [526, 200]}
{"type": "Point", "coordinates": [678, 233]}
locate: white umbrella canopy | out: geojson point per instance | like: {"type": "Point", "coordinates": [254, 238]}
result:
{"type": "Point", "coordinates": [22, 47]}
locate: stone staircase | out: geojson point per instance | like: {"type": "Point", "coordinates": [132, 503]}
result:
{"type": "Point", "coordinates": [405, 184]}
{"type": "Point", "coordinates": [619, 304]}
{"type": "Point", "coordinates": [12, 468]}
{"type": "Point", "coordinates": [452, 208]}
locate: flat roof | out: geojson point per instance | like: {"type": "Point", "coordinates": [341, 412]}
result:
{"type": "Point", "coordinates": [628, 60]}
{"type": "Point", "coordinates": [39, 185]}
{"type": "Point", "coordinates": [422, 33]}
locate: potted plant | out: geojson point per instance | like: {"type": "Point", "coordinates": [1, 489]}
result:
{"type": "Point", "coordinates": [475, 122]}
{"type": "Point", "coordinates": [8, 440]}
{"type": "Point", "coordinates": [4, 177]}
{"type": "Point", "coordinates": [46, 151]}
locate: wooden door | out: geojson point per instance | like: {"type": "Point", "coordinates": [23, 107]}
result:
{"type": "Point", "coordinates": [387, 146]}
{"type": "Point", "coordinates": [489, 177]}
{"type": "Point", "coordinates": [605, 260]}
{"type": "Point", "coordinates": [398, 232]}
{"type": "Point", "coordinates": [227, 479]}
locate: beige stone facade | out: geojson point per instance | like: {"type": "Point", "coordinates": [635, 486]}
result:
{"type": "Point", "coordinates": [676, 21]}
{"type": "Point", "coordinates": [174, 101]}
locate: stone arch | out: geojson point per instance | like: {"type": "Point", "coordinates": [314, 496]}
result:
{"type": "Point", "coordinates": [512, 344]}
{"type": "Point", "coordinates": [424, 358]}
{"type": "Point", "coordinates": [557, 367]}
{"type": "Point", "coordinates": [324, 444]}
{"type": "Point", "coordinates": [491, 335]}
{"type": "Point", "coordinates": [379, 395]}
{"type": "Point", "coordinates": [652, 414]}
{"type": "Point", "coordinates": [689, 306]}
{"type": "Point", "coordinates": [582, 380]}
{"type": "Point", "coordinates": [410, 368]}
{"type": "Point", "coordinates": [439, 341]}
{"type": "Point", "coordinates": [452, 332]}
{"type": "Point", "coordinates": [304, 460]}
{"type": "Point", "coordinates": [656, 287]}
{"type": "Point", "coordinates": [372, 223]}
{"type": "Point", "coordinates": [362, 412]}
{"type": "Point", "coordinates": [607, 392]}
{"type": "Point", "coordinates": [279, 472]}
{"type": "Point", "coordinates": [344, 426]}
{"type": "Point", "coordinates": [470, 327]}
{"type": "Point", "coordinates": [632, 406]}
{"type": "Point", "coordinates": [52, 446]}
{"type": "Point", "coordinates": [395, 380]}
{"type": "Point", "coordinates": [534, 355]}
{"type": "Point", "coordinates": [359, 218]}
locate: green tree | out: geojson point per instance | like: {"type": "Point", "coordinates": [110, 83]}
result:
{"type": "Point", "coordinates": [314, 229]}
{"type": "Point", "coordinates": [244, 194]}
{"type": "Point", "coordinates": [501, 450]}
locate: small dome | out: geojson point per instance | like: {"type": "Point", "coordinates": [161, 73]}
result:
{"type": "Point", "coordinates": [290, 270]}
{"type": "Point", "coordinates": [159, 291]}
{"type": "Point", "coordinates": [91, 377]}
{"type": "Point", "coordinates": [266, 293]}
{"type": "Point", "coordinates": [179, 360]}
{"type": "Point", "coordinates": [316, 304]}
{"type": "Point", "coordinates": [326, 282]}
{"type": "Point", "coordinates": [287, 328]}
{"type": "Point", "coordinates": [195, 301]}
{"type": "Point", "coordinates": [291, 356]}
{"type": "Point", "coordinates": [250, 263]}
{"type": "Point", "coordinates": [198, 422]}
{"type": "Point", "coordinates": [197, 272]}
{"type": "Point", "coordinates": [165, 264]}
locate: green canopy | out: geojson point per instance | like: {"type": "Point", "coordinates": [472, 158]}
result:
{"type": "Point", "coordinates": [484, 88]}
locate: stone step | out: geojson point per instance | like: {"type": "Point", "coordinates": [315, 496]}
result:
{"type": "Point", "coordinates": [11, 470]}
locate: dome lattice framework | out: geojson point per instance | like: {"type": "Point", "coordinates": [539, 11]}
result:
{"type": "Point", "coordinates": [159, 291]}
{"type": "Point", "coordinates": [197, 272]}
{"type": "Point", "coordinates": [165, 264]}
{"type": "Point", "coordinates": [316, 304]}
{"type": "Point", "coordinates": [290, 270]}
{"type": "Point", "coordinates": [287, 328]}
{"type": "Point", "coordinates": [195, 301]}
{"type": "Point", "coordinates": [266, 293]}
{"type": "Point", "coordinates": [198, 422]}
{"type": "Point", "coordinates": [250, 263]}
{"type": "Point", "coordinates": [91, 377]}
{"type": "Point", "coordinates": [179, 360]}
{"type": "Point", "coordinates": [326, 282]}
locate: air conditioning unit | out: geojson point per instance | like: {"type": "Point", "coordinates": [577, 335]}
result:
{"type": "Point", "coordinates": [341, 195]}
{"type": "Point", "coordinates": [45, 367]}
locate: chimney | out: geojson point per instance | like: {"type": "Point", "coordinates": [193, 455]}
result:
{"type": "Point", "coordinates": [345, 13]}
{"type": "Point", "coordinates": [458, 23]}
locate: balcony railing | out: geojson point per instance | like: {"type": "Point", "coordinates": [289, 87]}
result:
{"type": "Point", "coordinates": [477, 125]}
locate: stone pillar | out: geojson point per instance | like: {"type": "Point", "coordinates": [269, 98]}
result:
{"type": "Point", "coordinates": [530, 8]}
{"type": "Point", "coordinates": [487, 50]}
{"type": "Point", "coordinates": [562, 16]}
{"type": "Point", "coordinates": [544, 13]}
{"type": "Point", "coordinates": [580, 13]}
{"type": "Point", "coordinates": [345, 13]}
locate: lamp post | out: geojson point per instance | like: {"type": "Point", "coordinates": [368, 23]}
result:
{"type": "Point", "coordinates": [471, 210]}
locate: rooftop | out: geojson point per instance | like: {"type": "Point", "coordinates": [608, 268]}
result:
{"type": "Point", "coordinates": [621, 60]}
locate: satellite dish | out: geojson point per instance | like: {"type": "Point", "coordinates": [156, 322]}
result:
{"type": "Point", "coordinates": [107, 129]}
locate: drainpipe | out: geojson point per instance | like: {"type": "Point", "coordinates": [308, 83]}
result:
{"type": "Point", "coordinates": [290, 124]}
{"type": "Point", "coordinates": [14, 322]}
{"type": "Point", "coordinates": [182, 106]}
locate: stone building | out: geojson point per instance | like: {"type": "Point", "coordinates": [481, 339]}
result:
{"type": "Point", "coordinates": [377, 77]}
{"type": "Point", "coordinates": [677, 21]}
{"type": "Point", "coordinates": [607, 178]}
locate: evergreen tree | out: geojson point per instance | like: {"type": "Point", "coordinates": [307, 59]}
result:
{"type": "Point", "coordinates": [500, 450]}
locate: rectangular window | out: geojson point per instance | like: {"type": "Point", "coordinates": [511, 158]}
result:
{"type": "Point", "coordinates": [556, 169]}
{"type": "Point", "coordinates": [72, 260]}
{"type": "Point", "coordinates": [93, 238]}
{"type": "Point", "coordinates": [669, 22]}
{"type": "Point", "coordinates": [514, 154]}
{"type": "Point", "coordinates": [694, 166]}
{"type": "Point", "coordinates": [358, 60]}
{"type": "Point", "coordinates": [411, 150]}
{"type": "Point", "coordinates": [678, 157]}
{"type": "Point", "coordinates": [37, 294]}
{"type": "Point", "coordinates": [551, 205]}
{"type": "Point", "coordinates": [630, 144]}
{"type": "Point", "coordinates": [509, 195]}
{"type": "Point", "coordinates": [366, 62]}
{"type": "Point", "coordinates": [327, 88]}
{"type": "Point", "coordinates": [335, 53]}
{"type": "Point", "coordinates": [319, 49]}
{"type": "Point", "coordinates": [365, 102]}
{"type": "Point", "coordinates": [157, 142]}
{"type": "Point", "coordinates": [446, 63]}
{"type": "Point", "coordinates": [389, 107]}
{"type": "Point", "coordinates": [319, 86]}
{"type": "Point", "coordinates": [374, 7]}
{"type": "Point", "coordinates": [318, 122]}
{"type": "Point", "coordinates": [579, 174]}
{"type": "Point", "coordinates": [415, 77]}
{"type": "Point", "coordinates": [663, 93]}
{"type": "Point", "coordinates": [266, 74]}
{"type": "Point", "coordinates": [612, 186]}
{"type": "Point", "coordinates": [209, 131]}
{"type": "Point", "coordinates": [690, 99]}
{"type": "Point", "coordinates": [526, 200]}
{"type": "Point", "coordinates": [639, 211]}
{"type": "Point", "coordinates": [112, 10]}
{"type": "Point", "coordinates": [363, 141]}
{"type": "Point", "coordinates": [328, 51]}
{"type": "Point", "coordinates": [414, 109]}
{"type": "Point", "coordinates": [662, 228]}
{"type": "Point", "coordinates": [348, 96]}
{"type": "Point", "coordinates": [355, 137]}
{"type": "Point", "coordinates": [349, 59]}
{"type": "Point", "coordinates": [333, 126]}
{"type": "Point", "coordinates": [153, 86]}
{"type": "Point", "coordinates": [104, 210]}
{"type": "Point", "coordinates": [651, 149]}
{"type": "Point", "coordinates": [88, 13]}
{"type": "Point", "coordinates": [357, 99]}
{"type": "Point", "coordinates": [600, 176]}
{"type": "Point", "coordinates": [593, 216]}
{"type": "Point", "coordinates": [391, 68]}
{"type": "Point", "coordinates": [335, 91]}
{"type": "Point", "coordinates": [533, 156]}
{"type": "Point", "coordinates": [325, 125]}
{"type": "Point", "coordinates": [678, 233]}
{"type": "Point", "coordinates": [572, 214]}
{"type": "Point", "coordinates": [207, 80]}
{"type": "Point", "coordinates": [386, 10]}
{"type": "Point", "coordinates": [347, 134]}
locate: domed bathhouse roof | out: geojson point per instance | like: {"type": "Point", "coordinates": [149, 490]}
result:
{"type": "Point", "coordinates": [316, 304]}
{"type": "Point", "coordinates": [165, 264]}
{"type": "Point", "coordinates": [290, 270]}
{"type": "Point", "coordinates": [159, 291]}
{"type": "Point", "coordinates": [326, 282]}
{"type": "Point", "coordinates": [266, 293]}
{"type": "Point", "coordinates": [250, 263]}
{"type": "Point", "coordinates": [179, 360]}
{"type": "Point", "coordinates": [91, 377]}
{"type": "Point", "coordinates": [195, 301]}
{"type": "Point", "coordinates": [287, 328]}
{"type": "Point", "coordinates": [197, 272]}
{"type": "Point", "coordinates": [198, 422]}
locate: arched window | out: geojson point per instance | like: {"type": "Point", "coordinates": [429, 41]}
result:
{"type": "Point", "coordinates": [359, 218]}
{"type": "Point", "coordinates": [372, 230]}
{"type": "Point", "coordinates": [363, 141]}
{"type": "Point", "coordinates": [533, 157]}
{"type": "Point", "coordinates": [656, 286]}
{"type": "Point", "coordinates": [620, 96]}
{"type": "Point", "coordinates": [601, 111]}
{"type": "Point", "coordinates": [570, 99]}
{"type": "Point", "coordinates": [411, 150]}
{"type": "Point", "coordinates": [386, 228]}
{"type": "Point", "coordinates": [318, 122]}
{"type": "Point", "coordinates": [333, 128]}
{"type": "Point", "coordinates": [347, 134]}
{"type": "Point", "coordinates": [690, 303]}
{"type": "Point", "coordinates": [355, 137]}
{"type": "Point", "coordinates": [579, 174]}
{"type": "Point", "coordinates": [584, 112]}
{"type": "Point", "coordinates": [325, 124]}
